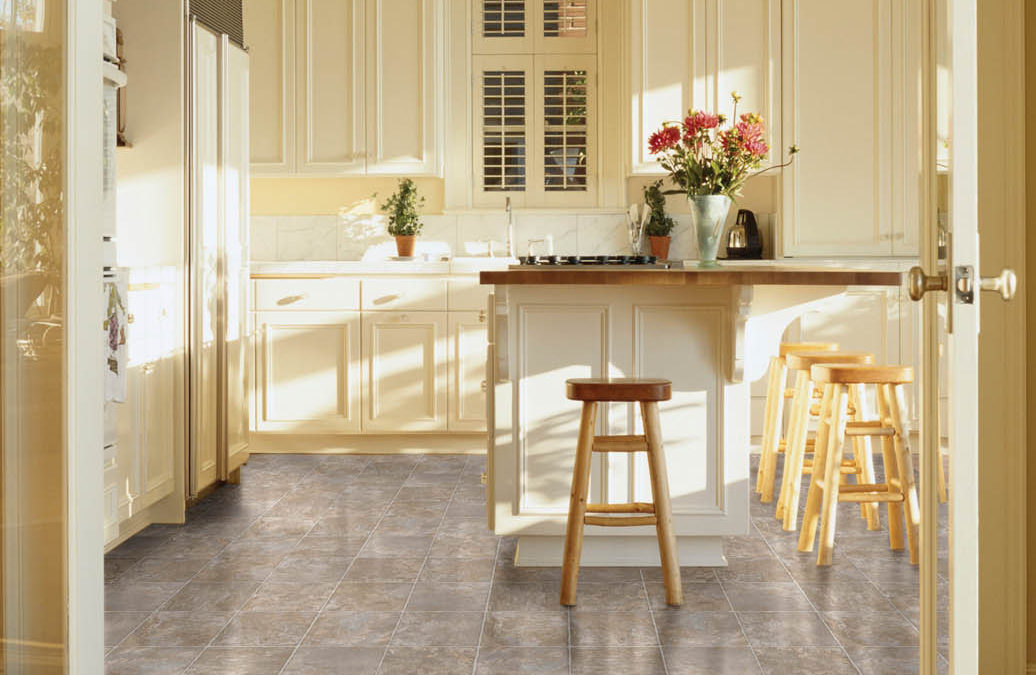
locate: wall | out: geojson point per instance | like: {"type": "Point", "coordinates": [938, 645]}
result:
{"type": "Point", "coordinates": [335, 218]}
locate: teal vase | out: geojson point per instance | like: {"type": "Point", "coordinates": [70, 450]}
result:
{"type": "Point", "coordinates": [708, 215]}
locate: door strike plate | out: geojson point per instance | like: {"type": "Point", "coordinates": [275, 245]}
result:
{"type": "Point", "coordinates": [964, 284]}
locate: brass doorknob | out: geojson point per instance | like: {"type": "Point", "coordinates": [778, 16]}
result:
{"type": "Point", "coordinates": [920, 283]}
{"type": "Point", "coordinates": [1006, 284]}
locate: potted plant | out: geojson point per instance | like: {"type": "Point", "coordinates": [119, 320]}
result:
{"type": "Point", "coordinates": [659, 226]}
{"type": "Point", "coordinates": [404, 220]}
{"type": "Point", "coordinates": [709, 164]}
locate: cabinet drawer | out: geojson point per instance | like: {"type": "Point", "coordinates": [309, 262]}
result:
{"type": "Point", "coordinates": [394, 293]}
{"type": "Point", "coordinates": [467, 295]}
{"type": "Point", "coordinates": [332, 293]}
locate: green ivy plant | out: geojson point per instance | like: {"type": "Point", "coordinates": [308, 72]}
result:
{"type": "Point", "coordinates": [660, 224]}
{"type": "Point", "coordinates": [402, 208]}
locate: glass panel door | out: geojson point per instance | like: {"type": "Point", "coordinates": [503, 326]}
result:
{"type": "Point", "coordinates": [33, 589]}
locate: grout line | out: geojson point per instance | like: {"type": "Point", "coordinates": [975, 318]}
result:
{"type": "Point", "coordinates": [489, 597]}
{"type": "Point", "coordinates": [816, 611]}
{"type": "Point", "coordinates": [348, 567]}
{"type": "Point", "coordinates": [236, 612]}
{"type": "Point", "coordinates": [737, 617]}
{"type": "Point", "coordinates": [215, 555]}
{"type": "Point", "coordinates": [651, 609]}
{"type": "Point", "coordinates": [420, 571]}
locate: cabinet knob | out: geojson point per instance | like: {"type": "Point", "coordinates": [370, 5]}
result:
{"type": "Point", "coordinates": [482, 316]}
{"type": "Point", "coordinates": [484, 386]}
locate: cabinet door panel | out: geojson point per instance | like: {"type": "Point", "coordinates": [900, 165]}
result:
{"type": "Point", "coordinates": [837, 73]}
{"type": "Point", "coordinates": [467, 371]}
{"type": "Point", "coordinates": [269, 30]}
{"type": "Point", "coordinates": [404, 84]}
{"type": "Point", "coordinates": [329, 72]}
{"type": "Point", "coordinates": [307, 365]}
{"type": "Point", "coordinates": [404, 371]}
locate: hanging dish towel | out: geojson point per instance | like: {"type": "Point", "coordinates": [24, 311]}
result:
{"type": "Point", "coordinates": [115, 356]}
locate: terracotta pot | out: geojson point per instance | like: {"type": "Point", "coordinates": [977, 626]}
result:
{"type": "Point", "coordinates": [405, 245]}
{"type": "Point", "coordinates": [659, 246]}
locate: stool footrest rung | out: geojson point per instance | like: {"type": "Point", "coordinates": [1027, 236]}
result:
{"type": "Point", "coordinates": [620, 521]}
{"type": "Point", "coordinates": [634, 507]}
{"type": "Point", "coordinates": [620, 444]}
{"type": "Point", "coordinates": [868, 428]}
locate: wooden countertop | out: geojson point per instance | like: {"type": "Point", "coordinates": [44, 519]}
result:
{"type": "Point", "coordinates": [725, 275]}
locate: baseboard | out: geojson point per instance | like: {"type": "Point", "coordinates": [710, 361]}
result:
{"type": "Point", "coordinates": [135, 523]}
{"type": "Point", "coordinates": [394, 444]}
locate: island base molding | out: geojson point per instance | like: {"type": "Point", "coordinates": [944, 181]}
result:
{"type": "Point", "coordinates": [619, 551]}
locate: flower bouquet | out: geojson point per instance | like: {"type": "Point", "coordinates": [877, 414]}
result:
{"type": "Point", "coordinates": [709, 164]}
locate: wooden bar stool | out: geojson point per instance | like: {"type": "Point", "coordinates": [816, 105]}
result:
{"type": "Point", "coordinates": [773, 415]}
{"type": "Point", "coordinates": [798, 444]}
{"type": "Point", "coordinates": [898, 489]}
{"type": "Point", "coordinates": [646, 392]}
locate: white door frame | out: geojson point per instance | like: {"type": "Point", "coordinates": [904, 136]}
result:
{"type": "Point", "coordinates": [83, 404]}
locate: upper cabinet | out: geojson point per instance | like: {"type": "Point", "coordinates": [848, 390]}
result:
{"type": "Point", "coordinates": [692, 54]}
{"type": "Point", "coordinates": [851, 92]}
{"type": "Point", "coordinates": [346, 87]}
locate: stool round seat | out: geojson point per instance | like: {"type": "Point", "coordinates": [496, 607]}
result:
{"type": "Point", "coordinates": [806, 360]}
{"type": "Point", "coordinates": [792, 347]}
{"type": "Point", "coordinates": [827, 373]}
{"type": "Point", "coordinates": [619, 389]}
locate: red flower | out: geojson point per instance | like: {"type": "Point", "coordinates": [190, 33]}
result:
{"type": "Point", "coordinates": [665, 138]}
{"type": "Point", "coordinates": [699, 120]}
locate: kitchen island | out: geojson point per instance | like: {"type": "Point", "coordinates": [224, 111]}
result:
{"type": "Point", "coordinates": [710, 331]}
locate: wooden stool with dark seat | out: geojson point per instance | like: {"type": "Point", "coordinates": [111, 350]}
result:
{"type": "Point", "coordinates": [897, 491]}
{"type": "Point", "coordinates": [646, 392]}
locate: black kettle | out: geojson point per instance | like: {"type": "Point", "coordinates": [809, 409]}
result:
{"type": "Point", "coordinates": [743, 240]}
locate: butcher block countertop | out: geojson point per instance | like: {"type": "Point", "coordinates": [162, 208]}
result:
{"type": "Point", "coordinates": [728, 274]}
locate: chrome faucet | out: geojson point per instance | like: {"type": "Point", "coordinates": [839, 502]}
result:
{"type": "Point", "coordinates": [510, 227]}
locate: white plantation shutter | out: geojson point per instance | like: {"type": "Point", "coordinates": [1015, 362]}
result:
{"type": "Point", "coordinates": [565, 129]}
{"type": "Point", "coordinates": [504, 131]}
{"type": "Point", "coordinates": [534, 78]}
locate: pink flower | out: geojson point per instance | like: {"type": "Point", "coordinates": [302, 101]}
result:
{"type": "Point", "coordinates": [665, 138]}
{"type": "Point", "coordinates": [699, 120]}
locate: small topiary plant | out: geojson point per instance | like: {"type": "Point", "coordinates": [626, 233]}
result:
{"type": "Point", "coordinates": [402, 207]}
{"type": "Point", "coordinates": [660, 224]}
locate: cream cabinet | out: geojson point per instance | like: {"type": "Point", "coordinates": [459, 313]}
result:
{"type": "Point", "coordinates": [346, 87]}
{"type": "Point", "coordinates": [467, 371]}
{"type": "Point", "coordinates": [404, 371]}
{"type": "Point", "coordinates": [307, 372]}
{"type": "Point", "coordinates": [850, 74]}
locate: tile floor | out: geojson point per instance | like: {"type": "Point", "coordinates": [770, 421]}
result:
{"type": "Point", "coordinates": [384, 565]}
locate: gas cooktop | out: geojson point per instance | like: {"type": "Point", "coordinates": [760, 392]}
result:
{"type": "Point", "coordinates": [593, 261]}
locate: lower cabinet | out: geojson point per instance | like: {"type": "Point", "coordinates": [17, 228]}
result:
{"type": "Point", "coordinates": [404, 371]}
{"type": "Point", "coordinates": [307, 372]}
{"type": "Point", "coordinates": [467, 371]}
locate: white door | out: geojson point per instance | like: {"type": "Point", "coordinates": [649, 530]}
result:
{"type": "Point", "coordinates": [404, 371]}
{"type": "Point", "coordinates": [237, 332]}
{"type": "Point", "coordinates": [205, 252]}
{"type": "Point", "coordinates": [951, 321]}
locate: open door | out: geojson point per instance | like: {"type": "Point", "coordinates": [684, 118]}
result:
{"type": "Point", "coordinates": [949, 284]}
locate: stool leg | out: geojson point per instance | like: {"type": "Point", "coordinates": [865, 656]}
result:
{"type": "Point", "coordinates": [577, 505]}
{"type": "Point", "coordinates": [663, 507]}
{"type": "Point", "coordinates": [772, 434]}
{"type": "Point", "coordinates": [814, 496]}
{"type": "Point", "coordinates": [832, 470]}
{"type": "Point", "coordinates": [798, 431]}
{"type": "Point", "coordinates": [795, 453]}
{"type": "Point", "coordinates": [906, 468]}
{"type": "Point", "coordinates": [767, 425]}
{"type": "Point", "coordinates": [863, 454]}
{"type": "Point", "coordinates": [892, 478]}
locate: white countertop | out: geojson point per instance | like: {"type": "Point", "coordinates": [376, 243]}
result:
{"type": "Point", "coordinates": [461, 265]}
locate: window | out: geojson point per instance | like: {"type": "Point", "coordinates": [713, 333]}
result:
{"type": "Point", "coordinates": [535, 105]}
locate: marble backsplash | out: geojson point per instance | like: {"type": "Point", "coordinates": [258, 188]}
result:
{"type": "Point", "coordinates": [349, 236]}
